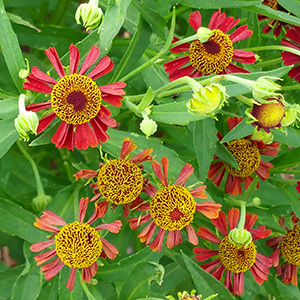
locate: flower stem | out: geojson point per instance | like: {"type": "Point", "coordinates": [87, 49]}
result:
{"type": "Point", "coordinates": [242, 216]}
{"type": "Point", "coordinates": [164, 49]}
{"type": "Point", "coordinates": [39, 186]}
{"type": "Point", "coordinates": [87, 292]}
{"type": "Point", "coordinates": [274, 47]}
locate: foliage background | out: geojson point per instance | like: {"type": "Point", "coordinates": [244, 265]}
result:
{"type": "Point", "coordinates": [137, 272]}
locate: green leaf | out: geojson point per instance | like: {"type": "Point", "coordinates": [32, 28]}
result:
{"type": "Point", "coordinates": [204, 282]}
{"type": "Point", "coordinates": [50, 290]}
{"type": "Point", "coordinates": [137, 284]}
{"type": "Point", "coordinates": [137, 47]}
{"type": "Point", "coordinates": [28, 284]}
{"type": "Point", "coordinates": [11, 49]}
{"type": "Point", "coordinates": [173, 113]}
{"type": "Point", "coordinates": [291, 5]}
{"type": "Point", "coordinates": [118, 272]}
{"type": "Point", "coordinates": [274, 14]}
{"type": "Point", "coordinates": [9, 108]}
{"type": "Point", "coordinates": [239, 131]}
{"type": "Point", "coordinates": [7, 281]}
{"type": "Point", "coordinates": [8, 135]}
{"type": "Point", "coordinates": [18, 20]}
{"type": "Point", "coordinates": [152, 17]}
{"type": "Point", "coordinates": [287, 160]}
{"type": "Point", "coordinates": [204, 140]}
{"type": "Point", "coordinates": [15, 220]}
{"type": "Point", "coordinates": [219, 3]}
{"type": "Point", "coordinates": [113, 20]}
{"type": "Point", "coordinates": [224, 154]}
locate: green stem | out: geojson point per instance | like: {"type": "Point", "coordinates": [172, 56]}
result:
{"type": "Point", "coordinates": [87, 292]}
{"type": "Point", "coordinates": [274, 47]}
{"type": "Point", "coordinates": [59, 11]}
{"type": "Point", "coordinates": [286, 172]}
{"type": "Point", "coordinates": [242, 216]}
{"type": "Point", "coordinates": [185, 40]}
{"type": "Point", "coordinates": [39, 186]}
{"type": "Point", "coordinates": [290, 87]}
{"type": "Point", "coordinates": [164, 49]}
{"type": "Point", "coordinates": [244, 99]}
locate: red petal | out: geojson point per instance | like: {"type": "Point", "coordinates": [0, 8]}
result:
{"type": "Point", "coordinates": [207, 235]}
{"type": "Point", "coordinates": [245, 57]}
{"type": "Point", "coordinates": [45, 122]}
{"type": "Point", "coordinates": [221, 223]}
{"type": "Point", "coordinates": [240, 33]}
{"type": "Point", "coordinates": [195, 20]}
{"type": "Point", "coordinates": [184, 174]}
{"type": "Point", "coordinates": [192, 234]}
{"type": "Point", "coordinates": [104, 66]}
{"type": "Point", "coordinates": [36, 86]}
{"type": "Point", "coordinates": [90, 59]}
{"type": "Point", "coordinates": [41, 245]}
{"type": "Point", "coordinates": [74, 58]}
{"type": "Point", "coordinates": [233, 217]}
{"type": "Point", "coordinates": [85, 137]}
{"type": "Point", "coordinates": [38, 74]}
{"type": "Point", "coordinates": [110, 250]}
{"type": "Point", "coordinates": [55, 61]}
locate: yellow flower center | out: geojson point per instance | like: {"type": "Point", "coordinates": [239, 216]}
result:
{"type": "Point", "coordinates": [78, 245]}
{"type": "Point", "coordinates": [172, 207]}
{"type": "Point", "coordinates": [120, 181]}
{"type": "Point", "coordinates": [76, 99]}
{"type": "Point", "coordinates": [236, 259]}
{"type": "Point", "coordinates": [213, 56]}
{"type": "Point", "coordinates": [269, 115]}
{"type": "Point", "coordinates": [290, 246]}
{"type": "Point", "coordinates": [273, 4]}
{"type": "Point", "coordinates": [246, 155]}
{"type": "Point", "coordinates": [190, 297]}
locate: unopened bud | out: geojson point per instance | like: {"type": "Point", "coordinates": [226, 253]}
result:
{"type": "Point", "coordinates": [203, 34]}
{"type": "Point", "coordinates": [39, 202]}
{"type": "Point", "coordinates": [265, 87]}
{"type": "Point", "coordinates": [261, 135]}
{"type": "Point", "coordinates": [89, 14]}
{"type": "Point", "coordinates": [148, 127]}
{"type": "Point", "coordinates": [207, 100]}
{"type": "Point", "coordinates": [240, 237]}
{"type": "Point", "coordinates": [291, 114]}
{"type": "Point", "coordinates": [256, 201]}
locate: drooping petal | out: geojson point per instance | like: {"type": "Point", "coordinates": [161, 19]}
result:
{"type": "Point", "coordinates": [204, 254]}
{"type": "Point", "coordinates": [192, 234]}
{"type": "Point", "coordinates": [74, 58]}
{"type": "Point", "coordinates": [114, 227]}
{"type": "Point", "coordinates": [96, 215]}
{"type": "Point", "coordinates": [104, 66]}
{"type": "Point", "coordinates": [52, 218]}
{"type": "Point", "coordinates": [142, 156]}
{"type": "Point", "coordinates": [85, 173]}
{"type": "Point", "coordinates": [184, 174]}
{"type": "Point", "coordinates": [36, 85]}
{"type": "Point", "coordinates": [241, 33]}
{"type": "Point", "coordinates": [195, 20]}
{"type": "Point", "coordinates": [41, 245]}
{"type": "Point", "coordinates": [207, 235]}
{"type": "Point", "coordinates": [60, 135]}
{"type": "Point", "coordinates": [199, 192]}
{"type": "Point", "coordinates": [83, 204]}
{"type": "Point", "coordinates": [85, 137]}
{"type": "Point", "coordinates": [221, 223]}
{"type": "Point", "coordinates": [43, 257]}
{"type": "Point", "coordinates": [71, 279]}
{"type": "Point", "coordinates": [38, 74]}
{"type": "Point", "coordinates": [209, 209]}
{"type": "Point", "coordinates": [233, 218]}
{"type": "Point", "coordinates": [127, 147]}
{"type": "Point", "coordinates": [157, 170]}
{"type": "Point", "coordinates": [158, 241]}
{"type": "Point", "coordinates": [52, 272]}
{"type": "Point", "coordinates": [110, 250]}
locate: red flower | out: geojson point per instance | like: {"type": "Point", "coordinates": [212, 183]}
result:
{"type": "Point", "coordinates": [248, 156]}
{"type": "Point", "coordinates": [276, 24]}
{"type": "Point", "coordinates": [231, 258]}
{"type": "Point", "coordinates": [77, 244]}
{"type": "Point", "coordinates": [76, 99]}
{"type": "Point", "coordinates": [298, 187]}
{"type": "Point", "coordinates": [291, 58]}
{"type": "Point", "coordinates": [214, 56]}
{"type": "Point", "coordinates": [120, 180]}
{"type": "Point", "coordinates": [172, 208]}
{"type": "Point", "coordinates": [288, 247]}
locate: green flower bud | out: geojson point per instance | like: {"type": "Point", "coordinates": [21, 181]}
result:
{"type": "Point", "coordinates": [89, 14]}
{"type": "Point", "coordinates": [203, 34]}
{"type": "Point", "coordinates": [23, 73]}
{"type": "Point", "coordinates": [39, 202]}
{"type": "Point", "coordinates": [291, 114]}
{"type": "Point", "coordinates": [26, 121]}
{"type": "Point", "coordinates": [207, 100]}
{"type": "Point", "coordinates": [265, 87]}
{"type": "Point", "coordinates": [148, 127]}
{"type": "Point", "coordinates": [256, 201]}
{"type": "Point", "coordinates": [261, 135]}
{"type": "Point", "coordinates": [240, 237]}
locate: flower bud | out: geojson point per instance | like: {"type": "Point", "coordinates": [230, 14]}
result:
{"type": "Point", "coordinates": [261, 135]}
{"type": "Point", "coordinates": [207, 100]}
{"type": "Point", "coordinates": [39, 202]}
{"type": "Point", "coordinates": [240, 237]}
{"type": "Point", "coordinates": [265, 87]}
{"type": "Point", "coordinates": [291, 114]}
{"type": "Point", "coordinates": [256, 201]}
{"type": "Point", "coordinates": [148, 127]}
{"type": "Point", "coordinates": [203, 34]}
{"type": "Point", "coordinates": [23, 73]}
{"type": "Point", "coordinates": [26, 121]}
{"type": "Point", "coordinates": [89, 14]}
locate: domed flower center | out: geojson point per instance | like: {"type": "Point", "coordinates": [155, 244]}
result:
{"type": "Point", "coordinates": [269, 115]}
{"type": "Point", "coordinates": [76, 99]}
{"type": "Point", "coordinates": [120, 181]}
{"type": "Point", "coordinates": [78, 245]}
{"type": "Point", "coordinates": [246, 155]}
{"type": "Point", "coordinates": [273, 4]}
{"type": "Point", "coordinates": [172, 207]}
{"type": "Point", "coordinates": [290, 246]}
{"type": "Point", "coordinates": [190, 297]}
{"type": "Point", "coordinates": [213, 56]}
{"type": "Point", "coordinates": [236, 259]}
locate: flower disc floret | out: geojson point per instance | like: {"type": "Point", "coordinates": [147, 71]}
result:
{"type": "Point", "coordinates": [213, 56]}
{"type": "Point", "coordinates": [247, 156]}
{"type": "Point", "coordinates": [273, 4]}
{"type": "Point", "coordinates": [290, 246]}
{"type": "Point", "coordinates": [236, 259]}
{"type": "Point", "coordinates": [76, 99]}
{"type": "Point", "coordinates": [78, 245]}
{"type": "Point", "coordinates": [172, 207]}
{"type": "Point", "coordinates": [120, 181]}
{"type": "Point", "coordinates": [268, 115]}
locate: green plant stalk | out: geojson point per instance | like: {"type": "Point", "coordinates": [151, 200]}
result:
{"type": "Point", "coordinates": [59, 11]}
{"type": "Point", "coordinates": [164, 49]}
{"type": "Point", "coordinates": [242, 220]}
{"type": "Point", "coordinates": [274, 47]}
{"type": "Point", "coordinates": [87, 292]}
{"type": "Point", "coordinates": [39, 186]}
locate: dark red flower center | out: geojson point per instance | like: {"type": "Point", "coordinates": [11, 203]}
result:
{"type": "Point", "coordinates": [172, 207]}
{"type": "Point", "coordinates": [213, 56]}
{"type": "Point", "coordinates": [76, 99]}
